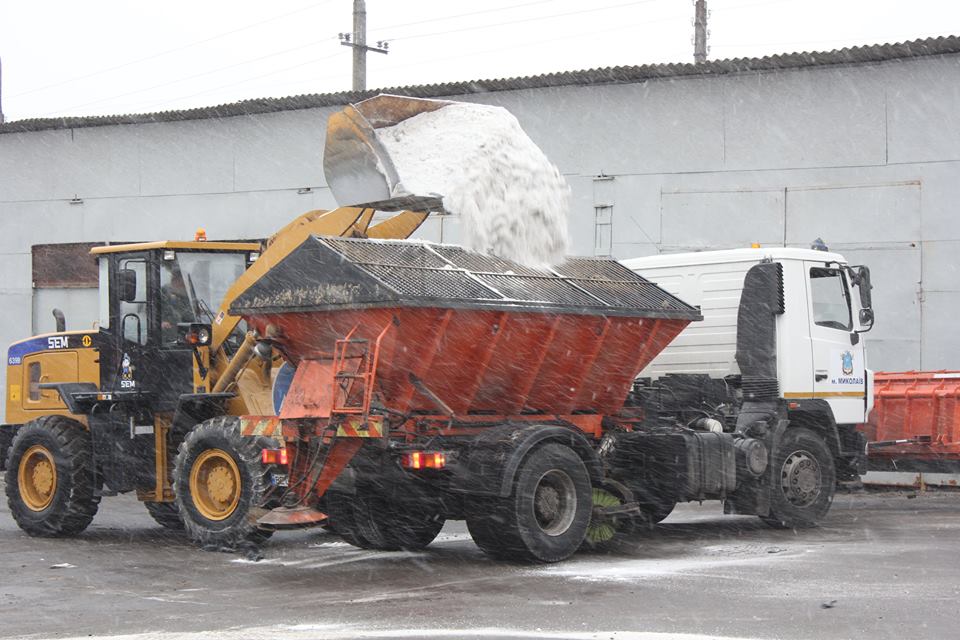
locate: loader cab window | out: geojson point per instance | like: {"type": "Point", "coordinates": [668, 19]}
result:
{"type": "Point", "coordinates": [830, 298]}
{"type": "Point", "coordinates": [205, 278]}
{"type": "Point", "coordinates": [175, 301]}
{"type": "Point", "coordinates": [132, 296]}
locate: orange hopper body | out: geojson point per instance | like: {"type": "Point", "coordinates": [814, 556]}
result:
{"type": "Point", "coordinates": [459, 331]}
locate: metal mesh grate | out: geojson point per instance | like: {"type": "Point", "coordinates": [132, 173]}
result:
{"type": "Point", "coordinates": [405, 254]}
{"type": "Point", "coordinates": [540, 289]}
{"type": "Point", "coordinates": [420, 271]}
{"type": "Point", "coordinates": [643, 295]}
{"type": "Point", "coordinates": [479, 262]}
{"type": "Point", "coordinates": [595, 268]}
{"type": "Point", "coordinates": [431, 283]}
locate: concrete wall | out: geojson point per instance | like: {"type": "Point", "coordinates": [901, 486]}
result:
{"type": "Point", "coordinates": [866, 157]}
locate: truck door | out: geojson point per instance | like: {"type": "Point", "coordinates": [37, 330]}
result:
{"type": "Point", "coordinates": [838, 364]}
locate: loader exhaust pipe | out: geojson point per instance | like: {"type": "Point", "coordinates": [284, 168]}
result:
{"type": "Point", "coordinates": [60, 319]}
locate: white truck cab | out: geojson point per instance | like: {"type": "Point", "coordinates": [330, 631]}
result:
{"type": "Point", "coordinates": [782, 327]}
{"type": "Point", "coordinates": [819, 350]}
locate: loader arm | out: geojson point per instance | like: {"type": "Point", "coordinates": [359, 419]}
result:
{"type": "Point", "coordinates": [345, 221]}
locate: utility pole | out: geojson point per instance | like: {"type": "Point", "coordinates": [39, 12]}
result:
{"type": "Point", "coordinates": [358, 40]}
{"type": "Point", "coordinates": [700, 32]}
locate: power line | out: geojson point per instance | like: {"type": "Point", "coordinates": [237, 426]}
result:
{"type": "Point", "coordinates": [521, 21]}
{"type": "Point", "coordinates": [246, 28]}
{"type": "Point", "coordinates": [868, 41]}
{"type": "Point", "coordinates": [169, 51]}
{"type": "Point", "coordinates": [258, 77]}
{"type": "Point", "coordinates": [537, 43]}
{"type": "Point", "coordinates": [196, 75]}
{"type": "Point", "coordinates": [427, 61]}
{"type": "Point", "coordinates": [462, 15]}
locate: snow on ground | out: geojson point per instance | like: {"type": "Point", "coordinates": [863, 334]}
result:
{"type": "Point", "coordinates": [347, 632]}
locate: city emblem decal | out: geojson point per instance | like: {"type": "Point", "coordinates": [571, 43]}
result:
{"type": "Point", "coordinates": [846, 360]}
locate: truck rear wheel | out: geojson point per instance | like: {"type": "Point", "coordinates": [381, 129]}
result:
{"type": "Point", "coordinates": [369, 521]}
{"type": "Point", "coordinates": [221, 484]}
{"type": "Point", "coordinates": [165, 514]}
{"type": "Point", "coordinates": [804, 480]}
{"type": "Point", "coordinates": [546, 517]}
{"type": "Point", "coordinates": [50, 477]}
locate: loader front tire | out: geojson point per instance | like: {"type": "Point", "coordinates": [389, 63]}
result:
{"type": "Point", "coordinates": [221, 485]}
{"type": "Point", "coordinates": [804, 480]}
{"type": "Point", "coordinates": [545, 518]}
{"type": "Point", "coordinates": [50, 477]}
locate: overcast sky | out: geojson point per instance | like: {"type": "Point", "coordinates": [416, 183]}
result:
{"type": "Point", "coordinates": [120, 56]}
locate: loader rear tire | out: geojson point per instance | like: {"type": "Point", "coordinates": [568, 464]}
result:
{"type": "Point", "coordinates": [804, 480]}
{"type": "Point", "coordinates": [221, 485]}
{"type": "Point", "coordinates": [51, 481]}
{"type": "Point", "coordinates": [545, 519]}
{"type": "Point", "coordinates": [166, 514]}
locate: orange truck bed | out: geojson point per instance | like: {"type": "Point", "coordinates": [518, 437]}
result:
{"type": "Point", "coordinates": [915, 422]}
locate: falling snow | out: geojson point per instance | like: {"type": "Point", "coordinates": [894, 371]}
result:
{"type": "Point", "coordinates": [513, 200]}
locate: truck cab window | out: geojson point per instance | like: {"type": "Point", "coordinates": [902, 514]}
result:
{"type": "Point", "coordinates": [831, 302]}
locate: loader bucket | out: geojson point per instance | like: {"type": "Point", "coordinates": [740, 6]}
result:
{"type": "Point", "coordinates": [358, 169]}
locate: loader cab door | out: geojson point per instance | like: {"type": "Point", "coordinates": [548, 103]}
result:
{"type": "Point", "coordinates": [838, 360]}
{"type": "Point", "coordinates": [144, 316]}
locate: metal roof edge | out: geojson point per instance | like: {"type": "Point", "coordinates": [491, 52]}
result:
{"type": "Point", "coordinates": [942, 45]}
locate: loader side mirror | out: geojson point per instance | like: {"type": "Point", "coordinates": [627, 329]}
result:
{"type": "Point", "coordinates": [128, 285]}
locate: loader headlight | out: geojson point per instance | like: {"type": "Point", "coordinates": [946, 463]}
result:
{"type": "Point", "coordinates": [194, 334]}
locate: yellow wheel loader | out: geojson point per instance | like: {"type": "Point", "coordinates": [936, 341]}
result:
{"type": "Point", "coordinates": [105, 411]}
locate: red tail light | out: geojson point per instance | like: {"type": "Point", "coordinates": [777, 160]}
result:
{"type": "Point", "coordinates": [424, 460]}
{"type": "Point", "coordinates": [274, 456]}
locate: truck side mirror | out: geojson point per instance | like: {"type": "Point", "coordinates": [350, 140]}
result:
{"type": "Point", "coordinates": [866, 317]}
{"type": "Point", "coordinates": [128, 285]}
{"type": "Point", "coordinates": [863, 282]}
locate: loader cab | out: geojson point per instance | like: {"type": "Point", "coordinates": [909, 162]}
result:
{"type": "Point", "coordinates": [151, 296]}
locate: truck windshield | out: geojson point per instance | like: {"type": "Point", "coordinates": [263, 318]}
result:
{"type": "Point", "coordinates": [193, 285]}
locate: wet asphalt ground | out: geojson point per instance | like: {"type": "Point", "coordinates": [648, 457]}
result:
{"type": "Point", "coordinates": [882, 565]}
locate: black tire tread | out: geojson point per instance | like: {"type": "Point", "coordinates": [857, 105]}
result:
{"type": "Point", "coordinates": [81, 502]}
{"type": "Point", "coordinates": [783, 515]}
{"type": "Point", "coordinates": [244, 531]}
{"type": "Point", "coordinates": [368, 521]}
{"type": "Point", "coordinates": [494, 525]}
{"type": "Point", "coordinates": [166, 514]}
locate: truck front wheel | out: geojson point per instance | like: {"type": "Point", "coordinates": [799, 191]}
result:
{"type": "Point", "coordinates": [804, 480]}
{"type": "Point", "coordinates": [545, 519]}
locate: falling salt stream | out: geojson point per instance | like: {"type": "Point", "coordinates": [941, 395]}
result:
{"type": "Point", "coordinates": [513, 201]}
